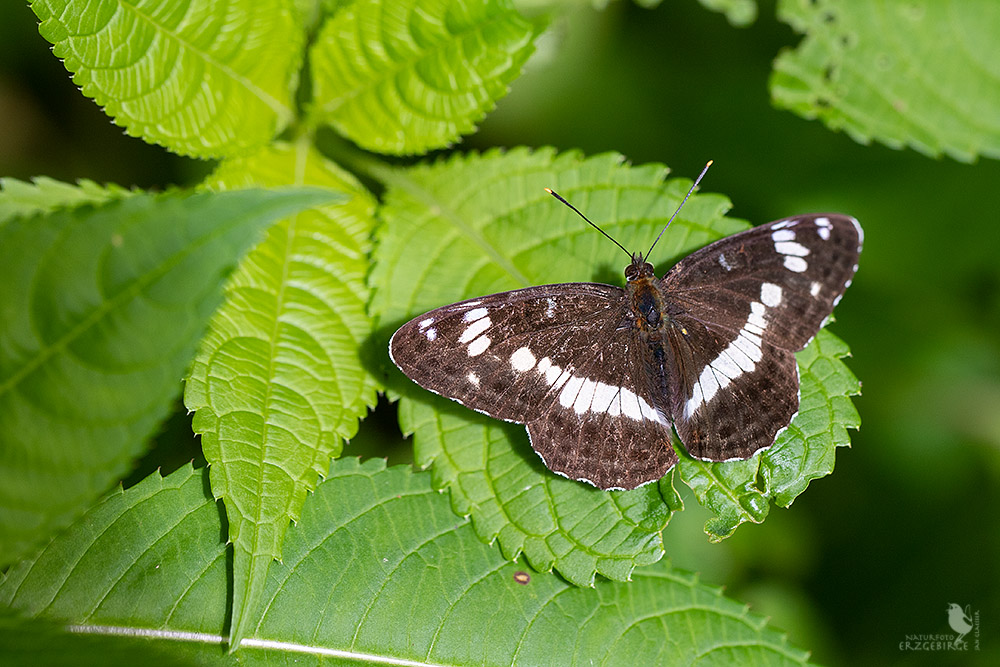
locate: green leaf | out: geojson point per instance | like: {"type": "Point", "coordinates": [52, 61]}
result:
{"type": "Point", "coordinates": [278, 383]}
{"type": "Point", "coordinates": [924, 74]}
{"type": "Point", "coordinates": [206, 78]}
{"type": "Point", "coordinates": [378, 569]}
{"type": "Point", "coordinates": [407, 76]}
{"type": "Point", "coordinates": [44, 194]}
{"type": "Point", "coordinates": [43, 641]}
{"type": "Point", "coordinates": [553, 521]}
{"type": "Point", "coordinates": [100, 315]}
{"type": "Point", "coordinates": [476, 225]}
{"type": "Point", "coordinates": [740, 491]}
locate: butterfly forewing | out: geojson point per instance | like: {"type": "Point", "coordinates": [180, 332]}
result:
{"type": "Point", "coordinates": [740, 308]}
{"type": "Point", "coordinates": [561, 359]}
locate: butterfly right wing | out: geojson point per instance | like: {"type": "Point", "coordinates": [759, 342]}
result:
{"type": "Point", "coordinates": [741, 307]}
{"type": "Point", "coordinates": [561, 359]}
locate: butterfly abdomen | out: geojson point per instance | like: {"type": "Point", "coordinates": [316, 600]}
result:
{"type": "Point", "coordinates": [648, 310]}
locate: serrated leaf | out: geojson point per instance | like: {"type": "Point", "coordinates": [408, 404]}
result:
{"type": "Point", "coordinates": [44, 194]}
{"type": "Point", "coordinates": [740, 491]}
{"type": "Point", "coordinates": [407, 76]}
{"type": "Point", "coordinates": [555, 522]}
{"type": "Point", "coordinates": [378, 570]}
{"type": "Point", "coordinates": [278, 383]}
{"type": "Point", "coordinates": [99, 316]}
{"type": "Point", "coordinates": [923, 74]}
{"type": "Point", "coordinates": [480, 224]}
{"type": "Point", "coordinates": [204, 78]}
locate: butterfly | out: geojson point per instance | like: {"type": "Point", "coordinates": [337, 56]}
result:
{"type": "Point", "coordinates": [600, 375]}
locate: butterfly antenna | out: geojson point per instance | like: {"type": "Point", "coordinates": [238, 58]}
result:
{"type": "Point", "coordinates": [693, 186]}
{"type": "Point", "coordinates": [559, 197]}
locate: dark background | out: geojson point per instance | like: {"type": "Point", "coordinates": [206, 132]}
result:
{"type": "Point", "coordinates": [908, 522]}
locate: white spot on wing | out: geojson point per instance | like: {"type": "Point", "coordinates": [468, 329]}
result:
{"type": "Point", "coordinates": [550, 308]}
{"type": "Point", "coordinates": [814, 288]}
{"type": "Point", "coordinates": [604, 394]}
{"type": "Point", "coordinates": [696, 400]}
{"type": "Point", "coordinates": [709, 383]}
{"type": "Point", "coordinates": [740, 356]}
{"type": "Point", "coordinates": [585, 398]}
{"type": "Point", "coordinates": [478, 346]}
{"type": "Point", "coordinates": [724, 364]}
{"type": "Point", "coordinates": [474, 314]}
{"type": "Point", "coordinates": [791, 248]}
{"type": "Point", "coordinates": [560, 377]}
{"type": "Point", "coordinates": [796, 264]}
{"type": "Point", "coordinates": [543, 365]}
{"type": "Point", "coordinates": [630, 405]}
{"type": "Point", "coordinates": [474, 329]}
{"type": "Point", "coordinates": [522, 360]}
{"type": "Point", "coordinates": [431, 334]}
{"type": "Point", "coordinates": [756, 316]}
{"type": "Point", "coordinates": [770, 294]}
{"type": "Point", "coordinates": [615, 408]}
{"type": "Point", "coordinates": [861, 232]}
{"type": "Point", "coordinates": [650, 413]}
{"type": "Point", "coordinates": [426, 323]}
{"type": "Point", "coordinates": [725, 264]}
{"type": "Point", "coordinates": [473, 378]}
{"type": "Point", "coordinates": [749, 344]}
{"type": "Point", "coordinates": [782, 235]}
{"type": "Point", "coordinates": [570, 390]}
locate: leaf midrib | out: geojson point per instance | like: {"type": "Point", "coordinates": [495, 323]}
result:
{"type": "Point", "coordinates": [283, 111]}
{"type": "Point", "coordinates": [107, 306]}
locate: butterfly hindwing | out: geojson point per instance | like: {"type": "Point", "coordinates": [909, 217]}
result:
{"type": "Point", "coordinates": [602, 424]}
{"type": "Point", "coordinates": [742, 307]}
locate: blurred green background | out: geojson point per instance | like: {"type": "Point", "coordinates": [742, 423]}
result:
{"type": "Point", "coordinates": [908, 522]}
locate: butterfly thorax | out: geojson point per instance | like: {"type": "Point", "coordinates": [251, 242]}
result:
{"type": "Point", "coordinates": [645, 298]}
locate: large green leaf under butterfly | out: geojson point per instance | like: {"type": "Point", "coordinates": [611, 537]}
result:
{"type": "Point", "coordinates": [448, 237]}
{"type": "Point", "coordinates": [601, 375]}
{"type": "Point", "coordinates": [148, 565]}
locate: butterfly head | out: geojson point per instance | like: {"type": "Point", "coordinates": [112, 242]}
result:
{"type": "Point", "coordinates": [638, 269]}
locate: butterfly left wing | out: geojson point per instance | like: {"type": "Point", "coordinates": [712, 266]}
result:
{"type": "Point", "coordinates": [561, 359]}
{"type": "Point", "coordinates": [740, 309]}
